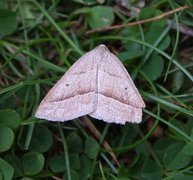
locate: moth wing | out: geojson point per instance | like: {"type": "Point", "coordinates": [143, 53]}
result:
{"type": "Point", "coordinates": [118, 99]}
{"type": "Point", "coordinates": [74, 94]}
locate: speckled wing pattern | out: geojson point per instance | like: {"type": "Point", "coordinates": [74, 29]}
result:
{"type": "Point", "coordinates": [97, 85]}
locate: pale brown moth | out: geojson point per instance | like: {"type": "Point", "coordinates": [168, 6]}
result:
{"type": "Point", "coordinates": [97, 85]}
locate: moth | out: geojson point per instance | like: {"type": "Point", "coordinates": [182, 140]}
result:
{"type": "Point", "coordinates": [97, 85]}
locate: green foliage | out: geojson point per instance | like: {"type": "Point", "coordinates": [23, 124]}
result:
{"type": "Point", "coordinates": [40, 40]}
{"type": "Point", "coordinates": [85, 168]}
{"type": "Point", "coordinates": [86, 2]}
{"type": "Point", "coordinates": [151, 170]}
{"type": "Point", "coordinates": [8, 22]}
{"type": "Point", "coordinates": [41, 142]}
{"type": "Point", "coordinates": [3, 4]}
{"type": "Point", "coordinates": [154, 67]}
{"type": "Point", "coordinates": [177, 81]}
{"type": "Point", "coordinates": [188, 148]}
{"type": "Point", "coordinates": [33, 163]}
{"type": "Point", "coordinates": [91, 147]}
{"type": "Point", "coordinates": [16, 163]}
{"type": "Point", "coordinates": [9, 118]}
{"type": "Point", "coordinates": [130, 54]}
{"type": "Point", "coordinates": [6, 170]}
{"type": "Point", "coordinates": [74, 142]}
{"type": "Point", "coordinates": [174, 158]}
{"type": "Point", "coordinates": [57, 163]}
{"type": "Point", "coordinates": [6, 138]}
{"type": "Point", "coordinates": [100, 17]}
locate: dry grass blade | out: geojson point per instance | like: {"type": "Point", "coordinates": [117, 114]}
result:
{"type": "Point", "coordinates": [97, 134]}
{"type": "Point", "coordinates": [140, 22]}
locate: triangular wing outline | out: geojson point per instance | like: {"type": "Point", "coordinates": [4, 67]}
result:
{"type": "Point", "coordinates": [118, 99]}
{"type": "Point", "coordinates": [97, 85]}
{"type": "Point", "coordinates": [74, 94]}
